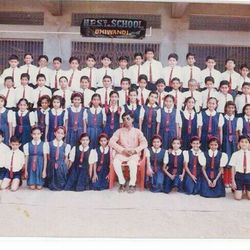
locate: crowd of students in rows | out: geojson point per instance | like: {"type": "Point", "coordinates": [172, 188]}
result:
{"type": "Point", "coordinates": [197, 123]}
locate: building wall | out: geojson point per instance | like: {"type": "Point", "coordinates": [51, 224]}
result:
{"type": "Point", "coordinates": [174, 36]}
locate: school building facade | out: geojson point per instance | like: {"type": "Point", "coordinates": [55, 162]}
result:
{"type": "Point", "coordinates": [53, 28]}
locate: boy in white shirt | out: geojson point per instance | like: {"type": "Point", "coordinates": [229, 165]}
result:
{"type": "Point", "coordinates": [143, 93]}
{"type": "Point", "coordinates": [14, 164]}
{"type": "Point", "coordinates": [244, 98]}
{"type": "Point", "coordinates": [56, 73]}
{"type": "Point", "coordinates": [121, 71]}
{"type": "Point", "coordinates": [123, 93]}
{"type": "Point", "coordinates": [223, 96]}
{"type": "Point", "coordinates": [4, 149]}
{"type": "Point", "coordinates": [179, 97]}
{"type": "Point", "coordinates": [90, 71]}
{"type": "Point", "coordinates": [160, 89]}
{"type": "Point", "coordinates": [190, 71]}
{"type": "Point", "coordinates": [9, 93]}
{"type": "Point", "coordinates": [87, 93]}
{"type": "Point", "coordinates": [105, 91]}
{"type": "Point", "coordinates": [43, 62]}
{"type": "Point", "coordinates": [244, 71]}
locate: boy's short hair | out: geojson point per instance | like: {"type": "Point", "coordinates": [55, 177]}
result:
{"type": "Point", "coordinates": [106, 56]}
{"type": "Point", "coordinates": [13, 57]}
{"type": "Point", "coordinates": [25, 75]}
{"type": "Point", "coordinates": [189, 54]}
{"type": "Point", "coordinates": [246, 84]}
{"type": "Point", "coordinates": [28, 54]}
{"type": "Point", "coordinates": [123, 58]}
{"type": "Point", "coordinates": [63, 77]}
{"type": "Point", "coordinates": [142, 77]}
{"type": "Point", "coordinates": [36, 128]}
{"type": "Point", "coordinates": [230, 59]}
{"type": "Point", "coordinates": [156, 137]}
{"type": "Point", "coordinates": [175, 79]}
{"type": "Point", "coordinates": [126, 79]}
{"type": "Point", "coordinates": [159, 81]}
{"type": "Point", "coordinates": [108, 77]}
{"type": "Point", "coordinates": [128, 113]}
{"type": "Point", "coordinates": [59, 59]}
{"type": "Point", "coordinates": [173, 55]}
{"type": "Point", "coordinates": [74, 58]}
{"type": "Point", "coordinates": [210, 58]}
{"type": "Point", "coordinates": [244, 65]}
{"type": "Point", "coordinates": [243, 137]}
{"type": "Point", "coordinates": [8, 78]}
{"type": "Point", "coordinates": [1, 133]}
{"type": "Point", "coordinates": [15, 139]}
{"type": "Point", "coordinates": [209, 79]}
{"type": "Point", "coordinates": [195, 138]}
{"type": "Point", "coordinates": [40, 76]}
{"type": "Point", "coordinates": [224, 82]}
{"type": "Point", "coordinates": [44, 57]}
{"type": "Point", "coordinates": [84, 78]}
{"type": "Point", "coordinates": [214, 139]}
{"type": "Point", "coordinates": [91, 56]}
{"type": "Point", "coordinates": [138, 54]}
{"type": "Point", "coordinates": [192, 81]}
{"type": "Point", "coordinates": [149, 49]}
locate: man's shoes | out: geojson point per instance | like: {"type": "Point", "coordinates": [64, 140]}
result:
{"type": "Point", "coordinates": [131, 189]}
{"type": "Point", "coordinates": [122, 188]}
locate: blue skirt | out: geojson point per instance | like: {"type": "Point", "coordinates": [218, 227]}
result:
{"type": "Point", "coordinates": [93, 135]}
{"type": "Point", "coordinates": [35, 177]}
{"type": "Point", "coordinates": [190, 187]}
{"type": "Point", "coordinates": [78, 179]}
{"type": "Point", "coordinates": [102, 183]}
{"type": "Point", "coordinates": [156, 182]}
{"type": "Point", "coordinates": [169, 184]}
{"type": "Point", "coordinates": [216, 192]}
{"type": "Point", "coordinates": [73, 136]}
{"type": "Point", "coordinates": [2, 173]}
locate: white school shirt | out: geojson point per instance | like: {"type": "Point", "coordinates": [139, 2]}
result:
{"type": "Point", "coordinates": [43, 111]}
{"type": "Point", "coordinates": [47, 72]}
{"type": "Point", "coordinates": [161, 97]}
{"type": "Point", "coordinates": [122, 97]}
{"type": "Point", "coordinates": [4, 150]}
{"type": "Point", "coordinates": [240, 120]}
{"type": "Point", "coordinates": [241, 81]}
{"type": "Point", "coordinates": [165, 158]}
{"type": "Point", "coordinates": [67, 148]}
{"type": "Point", "coordinates": [222, 99]}
{"type": "Point", "coordinates": [223, 159]}
{"type": "Point", "coordinates": [186, 72]}
{"type": "Point", "coordinates": [95, 154]}
{"type": "Point", "coordinates": [102, 93]}
{"type": "Point", "coordinates": [73, 109]}
{"type": "Point", "coordinates": [101, 73]}
{"type": "Point", "coordinates": [10, 115]}
{"type": "Point", "coordinates": [216, 74]}
{"type": "Point", "coordinates": [141, 115]}
{"type": "Point", "coordinates": [180, 98]}
{"type": "Point", "coordinates": [91, 159]}
{"type": "Point", "coordinates": [134, 72]}
{"type": "Point", "coordinates": [145, 94]}
{"type": "Point", "coordinates": [55, 76]}
{"type": "Point", "coordinates": [177, 72]}
{"type": "Point", "coordinates": [94, 75]}
{"type": "Point", "coordinates": [119, 73]}
{"type": "Point", "coordinates": [18, 160]}
{"type": "Point", "coordinates": [40, 91]}
{"type": "Point", "coordinates": [240, 102]}
{"type": "Point", "coordinates": [45, 147]}
{"type": "Point", "coordinates": [11, 99]}
{"type": "Point", "coordinates": [199, 117]}
{"type": "Point", "coordinates": [204, 94]}
{"type": "Point", "coordinates": [67, 93]}
{"type": "Point", "coordinates": [156, 70]}
{"type": "Point", "coordinates": [75, 83]}
{"type": "Point", "coordinates": [32, 118]}
{"type": "Point", "coordinates": [237, 160]}
{"type": "Point", "coordinates": [59, 112]}
{"type": "Point", "coordinates": [24, 92]}
{"type": "Point", "coordinates": [178, 152]}
{"type": "Point", "coordinates": [9, 72]}
{"type": "Point", "coordinates": [234, 76]}
{"type": "Point", "coordinates": [200, 154]}
{"type": "Point", "coordinates": [92, 110]}
{"type": "Point", "coordinates": [177, 118]}
{"type": "Point", "coordinates": [32, 70]}
{"type": "Point", "coordinates": [197, 96]}
{"type": "Point", "coordinates": [87, 95]}
{"type": "Point", "coordinates": [221, 120]}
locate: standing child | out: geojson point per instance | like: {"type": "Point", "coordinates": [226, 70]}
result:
{"type": "Point", "coordinates": [174, 170]}
{"type": "Point", "coordinates": [43, 69]}
{"type": "Point", "coordinates": [23, 122]}
{"type": "Point", "coordinates": [243, 99]}
{"type": "Point", "coordinates": [230, 137]}
{"type": "Point", "coordinates": [81, 162]}
{"type": "Point", "coordinates": [40, 114]}
{"type": "Point", "coordinates": [113, 114]}
{"type": "Point", "coordinates": [123, 93]}
{"type": "Point", "coordinates": [121, 71]}
{"type": "Point", "coordinates": [179, 97]}
{"type": "Point", "coordinates": [74, 123]}
{"type": "Point", "coordinates": [223, 96]}
{"type": "Point", "coordinates": [149, 122]}
{"type": "Point", "coordinates": [14, 164]}
{"type": "Point", "coordinates": [55, 117]}
{"type": "Point", "coordinates": [102, 161]}
{"type": "Point", "coordinates": [212, 123]}
{"type": "Point", "coordinates": [244, 72]}
{"type": "Point", "coordinates": [57, 169]}
{"type": "Point", "coordinates": [157, 158]}
{"type": "Point", "coordinates": [142, 91]}
{"type": "Point", "coordinates": [56, 74]}
{"type": "Point", "coordinates": [240, 163]}
{"type": "Point", "coordinates": [87, 93]}
{"type": "Point", "coordinates": [244, 122]}
{"type": "Point", "coordinates": [168, 122]}
{"type": "Point", "coordinates": [9, 93]}
{"type": "Point", "coordinates": [132, 106]}
{"type": "Point", "coordinates": [94, 120]}
{"type": "Point", "coordinates": [160, 89]}
{"type": "Point", "coordinates": [35, 160]}
{"type": "Point", "coordinates": [6, 120]}
{"type": "Point", "coordinates": [191, 121]}
{"type": "Point", "coordinates": [4, 150]}
{"type": "Point", "coordinates": [212, 185]}
{"type": "Point", "coordinates": [194, 159]}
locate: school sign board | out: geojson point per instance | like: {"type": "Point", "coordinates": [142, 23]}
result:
{"type": "Point", "coordinates": [113, 28]}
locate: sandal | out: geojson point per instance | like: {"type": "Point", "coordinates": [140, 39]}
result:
{"type": "Point", "coordinates": [131, 189]}
{"type": "Point", "coordinates": [122, 188]}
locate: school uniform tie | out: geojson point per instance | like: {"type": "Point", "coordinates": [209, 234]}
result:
{"type": "Point", "coordinates": [245, 162]}
{"type": "Point", "coordinates": [13, 74]}
{"type": "Point", "coordinates": [192, 94]}
{"type": "Point", "coordinates": [150, 116]}
{"type": "Point", "coordinates": [189, 124]}
{"type": "Point", "coordinates": [101, 160]}
{"type": "Point", "coordinates": [126, 96]}
{"type": "Point", "coordinates": [246, 99]}
{"type": "Point", "coordinates": [170, 77]}
{"type": "Point", "coordinates": [71, 78]}
{"type": "Point", "coordinates": [191, 73]}
{"type": "Point", "coordinates": [11, 165]}
{"type": "Point", "coordinates": [230, 83]}
{"type": "Point", "coordinates": [95, 118]}
{"type": "Point", "coordinates": [175, 163]}
{"type": "Point", "coordinates": [40, 93]}
{"type": "Point", "coordinates": [39, 71]}
{"type": "Point", "coordinates": [90, 78]}
{"type": "Point", "coordinates": [23, 92]}
{"type": "Point", "coordinates": [34, 158]}
{"type": "Point", "coordinates": [56, 120]}
{"type": "Point", "coordinates": [210, 125]}
{"type": "Point", "coordinates": [209, 94]}
{"type": "Point", "coordinates": [106, 72]}
{"type": "Point", "coordinates": [106, 99]}
{"type": "Point", "coordinates": [133, 109]}
{"type": "Point", "coordinates": [7, 94]}
{"type": "Point", "coordinates": [122, 73]}
{"type": "Point", "coordinates": [159, 100]}
{"type": "Point", "coordinates": [150, 73]}
{"type": "Point", "coordinates": [142, 98]}
{"type": "Point", "coordinates": [112, 120]}
{"type": "Point", "coordinates": [81, 158]}
{"type": "Point", "coordinates": [64, 94]}
{"type": "Point", "coordinates": [212, 167]}
{"type": "Point", "coordinates": [138, 72]}
{"type": "Point", "coordinates": [75, 120]}
{"type": "Point", "coordinates": [167, 120]}
{"type": "Point", "coordinates": [56, 83]}
{"type": "Point", "coordinates": [195, 160]}
{"type": "Point", "coordinates": [155, 162]}
{"type": "Point", "coordinates": [20, 129]}
{"type": "Point", "coordinates": [57, 155]}
{"type": "Point", "coordinates": [175, 99]}
{"type": "Point", "coordinates": [28, 69]}
{"type": "Point", "coordinates": [230, 130]}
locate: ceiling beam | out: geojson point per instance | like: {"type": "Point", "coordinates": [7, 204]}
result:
{"type": "Point", "coordinates": [178, 9]}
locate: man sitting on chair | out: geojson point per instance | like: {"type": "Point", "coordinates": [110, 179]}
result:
{"type": "Point", "coordinates": [128, 142]}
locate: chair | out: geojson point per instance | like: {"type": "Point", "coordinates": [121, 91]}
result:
{"type": "Point", "coordinates": [140, 172]}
